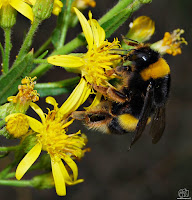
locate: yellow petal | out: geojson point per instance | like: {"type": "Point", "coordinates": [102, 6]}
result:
{"type": "Point", "coordinates": [65, 172]}
{"type": "Point", "coordinates": [52, 101]}
{"type": "Point", "coordinates": [35, 124]}
{"type": "Point", "coordinates": [75, 99]}
{"type": "Point", "coordinates": [58, 177]}
{"type": "Point", "coordinates": [28, 160]}
{"type": "Point", "coordinates": [75, 182]}
{"type": "Point", "coordinates": [32, 2]}
{"type": "Point", "coordinates": [98, 32]}
{"type": "Point", "coordinates": [67, 178]}
{"type": "Point", "coordinates": [65, 61]}
{"type": "Point", "coordinates": [67, 124]}
{"type": "Point", "coordinates": [57, 7]}
{"type": "Point", "coordinates": [38, 110]}
{"type": "Point", "coordinates": [72, 165]}
{"type": "Point", "coordinates": [23, 8]}
{"type": "Point", "coordinates": [95, 102]}
{"type": "Point", "coordinates": [86, 28]}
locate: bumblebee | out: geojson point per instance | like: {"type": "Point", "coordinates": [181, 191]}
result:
{"type": "Point", "coordinates": [139, 99]}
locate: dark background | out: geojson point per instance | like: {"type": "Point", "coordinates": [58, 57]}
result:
{"type": "Point", "coordinates": [147, 171]}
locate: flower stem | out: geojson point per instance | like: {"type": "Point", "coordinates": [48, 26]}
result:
{"type": "Point", "coordinates": [5, 172]}
{"type": "Point", "coordinates": [65, 24]}
{"type": "Point", "coordinates": [120, 6]}
{"type": "Point", "coordinates": [7, 49]}
{"type": "Point", "coordinates": [11, 148]}
{"type": "Point", "coordinates": [21, 183]}
{"type": "Point", "coordinates": [37, 61]}
{"type": "Point", "coordinates": [28, 40]}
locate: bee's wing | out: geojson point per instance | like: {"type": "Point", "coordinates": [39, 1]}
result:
{"type": "Point", "coordinates": [145, 112]}
{"type": "Point", "coordinates": [158, 124]}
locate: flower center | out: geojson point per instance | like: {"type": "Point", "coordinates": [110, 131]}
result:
{"type": "Point", "coordinates": [57, 143]}
{"type": "Point", "coordinates": [173, 42]}
{"type": "Point", "coordinates": [98, 61]}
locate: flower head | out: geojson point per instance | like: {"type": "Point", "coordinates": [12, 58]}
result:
{"type": "Point", "coordinates": [57, 6]}
{"type": "Point", "coordinates": [52, 137]}
{"type": "Point", "coordinates": [93, 65]}
{"type": "Point", "coordinates": [171, 43]}
{"type": "Point", "coordinates": [19, 5]}
{"type": "Point", "coordinates": [26, 93]}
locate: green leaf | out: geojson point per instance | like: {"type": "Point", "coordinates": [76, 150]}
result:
{"type": "Point", "coordinates": [56, 88]}
{"type": "Point", "coordinates": [113, 24]}
{"type": "Point", "coordinates": [10, 81]}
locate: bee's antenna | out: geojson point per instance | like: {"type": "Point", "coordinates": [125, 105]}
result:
{"type": "Point", "coordinates": [129, 41]}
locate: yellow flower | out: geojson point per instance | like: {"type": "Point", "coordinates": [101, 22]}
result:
{"type": "Point", "coordinates": [52, 137]}
{"type": "Point", "coordinates": [18, 5]}
{"type": "Point", "coordinates": [141, 29]}
{"type": "Point", "coordinates": [92, 65]}
{"type": "Point", "coordinates": [171, 43]}
{"type": "Point", "coordinates": [26, 94]}
{"type": "Point", "coordinates": [57, 6]}
{"type": "Point", "coordinates": [83, 4]}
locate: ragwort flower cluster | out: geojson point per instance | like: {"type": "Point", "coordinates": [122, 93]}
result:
{"type": "Point", "coordinates": [96, 69]}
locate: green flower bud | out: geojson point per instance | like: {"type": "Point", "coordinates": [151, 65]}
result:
{"type": "Point", "coordinates": [43, 9]}
{"type": "Point", "coordinates": [44, 181]}
{"type": "Point", "coordinates": [7, 16]}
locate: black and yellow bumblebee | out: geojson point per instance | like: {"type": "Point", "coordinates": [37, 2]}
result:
{"type": "Point", "coordinates": [139, 99]}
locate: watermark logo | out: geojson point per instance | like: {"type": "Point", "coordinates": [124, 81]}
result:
{"type": "Point", "coordinates": [183, 194]}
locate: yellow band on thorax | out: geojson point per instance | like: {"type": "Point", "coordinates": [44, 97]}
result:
{"type": "Point", "coordinates": [156, 70]}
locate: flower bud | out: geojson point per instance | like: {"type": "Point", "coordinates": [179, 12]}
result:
{"type": "Point", "coordinates": [7, 16]}
{"type": "Point", "coordinates": [43, 9]}
{"type": "Point", "coordinates": [141, 29]}
{"type": "Point", "coordinates": [17, 125]}
{"type": "Point", "coordinates": [44, 181]}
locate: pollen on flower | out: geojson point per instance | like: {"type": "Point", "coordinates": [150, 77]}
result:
{"type": "Point", "coordinates": [58, 144]}
{"type": "Point", "coordinates": [17, 125]}
{"type": "Point", "coordinates": [26, 92]}
{"type": "Point", "coordinates": [171, 43]}
{"type": "Point", "coordinates": [99, 60]}
{"type": "Point", "coordinates": [174, 41]}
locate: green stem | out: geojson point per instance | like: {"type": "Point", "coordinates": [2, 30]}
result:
{"type": "Point", "coordinates": [28, 40]}
{"type": "Point", "coordinates": [119, 6]}
{"type": "Point", "coordinates": [11, 148]}
{"type": "Point", "coordinates": [7, 49]}
{"type": "Point", "coordinates": [4, 173]}
{"type": "Point", "coordinates": [42, 48]}
{"type": "Point", "coordinates": [10, 175]}
{"type": "Point", "coordinates": [65, 24]}
{"type": "Point", "coordinates": [39, 61]}
{"type": "Point", "coordinates": [21, 183]}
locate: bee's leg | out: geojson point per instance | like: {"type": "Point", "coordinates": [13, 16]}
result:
{"type": "Point", "coordinates": [112, 93]}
